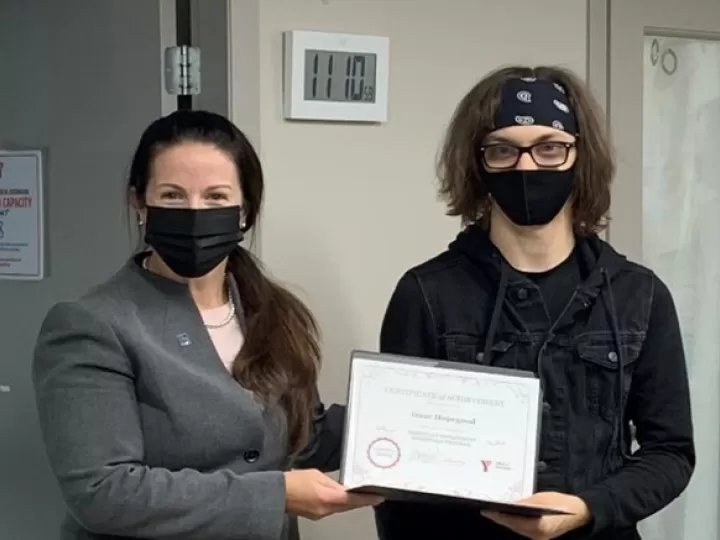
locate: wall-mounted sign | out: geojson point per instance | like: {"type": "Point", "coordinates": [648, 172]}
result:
{"type": "Point", "coordinates": [22, 230]}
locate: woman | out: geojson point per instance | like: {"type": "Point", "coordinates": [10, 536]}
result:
{"type": "Point", "coordinates": [175, 397]}
{"type": "Point", "coordinates": [529, 285]}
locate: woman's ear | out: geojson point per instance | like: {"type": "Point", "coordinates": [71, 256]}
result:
{"type": "Point", "coordinates": [138, 206]}
{"type": "Point", "coordinates": [243, 220]}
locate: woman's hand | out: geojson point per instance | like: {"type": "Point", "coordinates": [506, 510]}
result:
{"type": "Point", "coordinates": [314, 495]}
{"type": "Point", "coordinates": [546, 527]}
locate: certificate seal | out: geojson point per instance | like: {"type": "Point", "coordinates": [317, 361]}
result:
{"type": "Point", "coordinates": [383, 453]}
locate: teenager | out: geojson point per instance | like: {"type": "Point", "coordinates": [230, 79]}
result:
{"type": "Point", "coordinates": [529, 285]}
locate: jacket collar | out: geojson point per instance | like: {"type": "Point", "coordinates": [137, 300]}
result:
{"type": "Point", "coordinates": [595, 255]}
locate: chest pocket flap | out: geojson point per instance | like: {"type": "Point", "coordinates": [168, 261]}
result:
{"type": "Point", "coordinates": [602, 350]}
{"type": "Point", "coordinates": [469, 348]}
{"type": "Point", "coordinates": [599, 371]}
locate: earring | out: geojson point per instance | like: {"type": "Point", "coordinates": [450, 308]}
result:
{"type": "Point", "coordinates": [141, 222]}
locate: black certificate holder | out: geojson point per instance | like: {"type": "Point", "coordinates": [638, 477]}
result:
{"type": "Point", "coordinates": [394, 494]}
{"type": "Point", "coordinates": [516, 509]}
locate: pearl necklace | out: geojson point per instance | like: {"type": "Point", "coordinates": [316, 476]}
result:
{"type": "Point", "coordinates": [230, 316]}
{"type": "Point", "coordinates": [231, 313]}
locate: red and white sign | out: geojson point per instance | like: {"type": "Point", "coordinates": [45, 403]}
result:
{"type": "Point", "coordinates": [22, 231]}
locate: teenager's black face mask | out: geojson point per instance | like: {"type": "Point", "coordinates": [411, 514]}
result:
{"type": "Point", "coordinates": [193, 242]}
{"type": "Point", "coordinates": [532, 197]}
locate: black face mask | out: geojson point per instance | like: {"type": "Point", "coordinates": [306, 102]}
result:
{"type": "Point", "coordinates": [530, 197]}
{"type": "Point", "coordinates": [193, 242]}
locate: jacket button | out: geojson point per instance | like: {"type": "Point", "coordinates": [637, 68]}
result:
{"type": "Point", "coordinates": [251, 456]}
{"type": "Point", "coordinates": [612, 356]}
{"type": "Point", "coordinates": [522, 294]}
{"type": "Point", "coordinates": [541, 466]}
{"type": "Point", "coordinates": [546, 407]}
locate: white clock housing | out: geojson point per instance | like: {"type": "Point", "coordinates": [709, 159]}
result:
{"type": "Point", "coordinates": [335, 77]}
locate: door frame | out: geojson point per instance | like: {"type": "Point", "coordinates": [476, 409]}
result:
{"type": "Point", "coordinates": [625, 230]}
{"type": "Point", "coordinates": [598, 60]}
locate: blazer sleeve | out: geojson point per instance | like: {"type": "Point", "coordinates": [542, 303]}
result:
{"type": "Point", "coordinates": [85, 394]}
{"type": "Point", "coordinates": [407, 330]}
{"type": "Point", "coordinates": [324, 449]}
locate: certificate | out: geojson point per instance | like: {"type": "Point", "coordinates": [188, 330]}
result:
{"type": "Point", "coordinates": [435, 431]}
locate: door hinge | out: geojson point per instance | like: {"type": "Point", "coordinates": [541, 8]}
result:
{"type": "Point", "coordinates": [182, 70]}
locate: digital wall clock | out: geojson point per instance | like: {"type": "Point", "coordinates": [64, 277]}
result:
{"type": "Point", "coordinates": [335, 77]}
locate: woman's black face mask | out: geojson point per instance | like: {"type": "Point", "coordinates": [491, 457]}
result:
{"type": "Point", "coordinates": [193, 242]}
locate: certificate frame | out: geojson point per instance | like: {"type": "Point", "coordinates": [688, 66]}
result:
{"type": "Point", "coordinates": [425, 497]}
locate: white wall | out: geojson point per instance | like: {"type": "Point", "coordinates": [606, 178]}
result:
{"type": "Point", "coordinates": [349, 208]}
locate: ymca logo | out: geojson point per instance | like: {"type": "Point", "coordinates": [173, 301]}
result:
{"type": "Point", "coordinates": [486, 463]}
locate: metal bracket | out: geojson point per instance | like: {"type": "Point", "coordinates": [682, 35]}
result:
{"type": "Point", "coordinates": [182, 70]}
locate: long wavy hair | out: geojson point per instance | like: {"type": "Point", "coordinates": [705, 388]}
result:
{"type": "Point", "coordinates": [461, 185]}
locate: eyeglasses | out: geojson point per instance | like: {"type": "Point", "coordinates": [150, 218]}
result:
{"type": "Point", "coordinates": [548, 154]}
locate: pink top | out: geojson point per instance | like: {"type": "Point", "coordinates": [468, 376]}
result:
{"type": "Point", "coordinates": [229, 339]}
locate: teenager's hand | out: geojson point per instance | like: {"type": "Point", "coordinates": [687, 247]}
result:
{"type": "Point", "coordinates": [546, 527]}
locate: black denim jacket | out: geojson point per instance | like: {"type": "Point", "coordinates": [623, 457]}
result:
{"type": "Point", "coordinates": [469, 305]}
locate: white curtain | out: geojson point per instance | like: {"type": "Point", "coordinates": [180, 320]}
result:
{"type": "Point", "coordinates": [681, 242]}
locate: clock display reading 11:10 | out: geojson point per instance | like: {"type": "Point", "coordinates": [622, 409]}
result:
{"type": "Point", "coordinates": [340, 76]}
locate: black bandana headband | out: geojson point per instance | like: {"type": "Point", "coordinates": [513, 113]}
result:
{"type": "Point", "coordinates": [535, 102]}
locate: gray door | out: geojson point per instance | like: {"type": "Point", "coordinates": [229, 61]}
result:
{"type": "Point", "coordinates": [79, 79]}
{"type": "Point", "coordinates": [664, 103]}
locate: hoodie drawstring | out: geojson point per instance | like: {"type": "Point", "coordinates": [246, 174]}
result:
{"type": "Point", "coordinates": [495, 318]}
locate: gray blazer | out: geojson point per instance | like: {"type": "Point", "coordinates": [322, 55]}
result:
{"type": "Point", "coordinates": [148, 434]}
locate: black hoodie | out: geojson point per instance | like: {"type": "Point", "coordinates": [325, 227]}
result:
{"type": "Point", "coordinates": [573, 327]}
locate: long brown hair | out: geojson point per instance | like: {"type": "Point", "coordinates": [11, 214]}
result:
{"type": "Point", "coordinates": [280, 358]}
{"type": "Point", "coordinates": [461, 185]}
